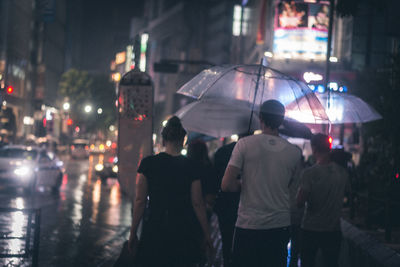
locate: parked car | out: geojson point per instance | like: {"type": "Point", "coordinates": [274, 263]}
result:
{"type": "Point", "coordinates": [79, 148]}
{"type": "Point", "coordinates": [29, 167]}
{"type": "Point", "coordinates": [109, 168]}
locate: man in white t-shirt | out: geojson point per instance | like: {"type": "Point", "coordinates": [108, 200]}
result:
{"type": "Point", "coordinates": [267, 163]}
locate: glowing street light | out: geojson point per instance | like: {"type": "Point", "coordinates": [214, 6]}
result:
{"type": "Point", "coordinates": [88, 108]}
{"type": "Point", "coordinates": [66, 106]}
{"type": "Point", "coordinates": [99, 110]}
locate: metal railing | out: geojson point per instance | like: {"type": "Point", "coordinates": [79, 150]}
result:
{"type": "Point", "coordinates": [31, 237]}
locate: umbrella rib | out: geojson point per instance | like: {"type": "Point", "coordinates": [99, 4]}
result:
{"type": "Point", "coordinates": [205, 91]}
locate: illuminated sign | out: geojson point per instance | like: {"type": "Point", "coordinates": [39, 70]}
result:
{"type": "Point", "coordinates": [301, 30]}
{"type": "Point", "coordinates": [129, 58]}
{"type": "Point", "coordinates": [120, 57]}
{"type": "Point", "coordinates": [311, 76]}
{"type": "Point", "coordinates": [143, 49]}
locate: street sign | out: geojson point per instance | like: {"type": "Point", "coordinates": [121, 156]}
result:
{"type": "Point", "coordinates": [135, 126]}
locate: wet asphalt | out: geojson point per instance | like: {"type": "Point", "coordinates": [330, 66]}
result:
{"type": "Point", "coordinates": [84, 224]}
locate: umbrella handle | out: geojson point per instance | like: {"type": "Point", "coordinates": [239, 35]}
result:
{"type": "Point", "coordinates": [255, 95]}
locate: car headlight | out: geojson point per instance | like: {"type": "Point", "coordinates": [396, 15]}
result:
{"type": "Point", "coordinates": [115, 168]}
{"type": "Point", "coordinates": [22, 171]}
{"type": "Point", "coordinates": [99, 167]}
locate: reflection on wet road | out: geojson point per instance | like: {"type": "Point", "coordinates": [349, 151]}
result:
{"type": "Point", "coordinates": [84, 224]}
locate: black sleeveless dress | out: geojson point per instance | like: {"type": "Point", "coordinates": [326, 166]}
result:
{"type": "Point", "coordinates": [171, 231]}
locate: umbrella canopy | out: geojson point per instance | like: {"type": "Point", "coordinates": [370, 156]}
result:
{"type": "Point", "coordinates": [343, 108]}
{"type": "Point", "coordinates": [252, 85]}
{"type": "Point", "coordinates": [213, 118]}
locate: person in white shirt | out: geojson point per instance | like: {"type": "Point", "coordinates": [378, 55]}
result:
{"type": "Point", "coordinates": [267, 163]}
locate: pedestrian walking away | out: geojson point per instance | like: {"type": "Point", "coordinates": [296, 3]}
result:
{"type": "Point", "coordinates": [176, 219]}
{"type": "Point", "coordinates": [321, 191]}
{"type": "Point", "coordinates": [267, 163]}
{"type": "Point", "coordinates": [198, 152]}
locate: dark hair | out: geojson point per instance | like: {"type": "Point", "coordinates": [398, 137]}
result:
{"type": "Point", "coordinates": [197, 150]}
{"type": "Point", "coordinates": [272, 121]}
{"type": "Point", "coordinates": [272, 113]}
{"type": "Point", "coordinates": [320, 143]}
{"type": "Point", "coordinates": [173, 131]}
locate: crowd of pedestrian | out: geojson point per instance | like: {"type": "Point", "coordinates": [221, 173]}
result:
{"type": "Point", "coordinates": [259, 189]}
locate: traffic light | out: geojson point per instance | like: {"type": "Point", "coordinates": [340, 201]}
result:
{"type": "Point", "coordinates": [10, 89]}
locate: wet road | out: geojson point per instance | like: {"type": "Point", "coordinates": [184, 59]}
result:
{"type": "Point", "coordinates": [84, 224]}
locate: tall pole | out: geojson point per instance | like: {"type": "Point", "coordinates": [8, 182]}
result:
{"type": "Point", "coordinates": [328, 52]}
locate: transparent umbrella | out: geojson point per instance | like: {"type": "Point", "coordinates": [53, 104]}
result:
{"type": "Point", "coordinates": [343, 108]}
{"type": "Point", "coordinates": [251, 85]}
{"type": "Point", "coordinates": [218, 119]}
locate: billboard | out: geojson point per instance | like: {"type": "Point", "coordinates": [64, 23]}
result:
{"type": "Point", "coordinates": [301, 30]}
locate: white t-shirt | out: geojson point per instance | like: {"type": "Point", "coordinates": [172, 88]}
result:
{"type": "Point", "coordinates": [267, 164]}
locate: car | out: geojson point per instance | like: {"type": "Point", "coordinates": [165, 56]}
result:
{"type": "Point", "coordinates": [79, 148]}
{"type": "Point", "coordinates": [97, 147]}
{"type": "Point", "coordinates": [107, 169]}
{"type": "Point", "coordinates": [28, 167]}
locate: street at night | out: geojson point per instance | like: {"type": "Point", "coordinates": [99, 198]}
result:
{"type": "Point", "coordinates": [84, 224]}
{"type": "Point", "coordinates": [200, 133]}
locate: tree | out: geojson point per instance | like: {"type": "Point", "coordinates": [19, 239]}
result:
{"type": "Point", "coordinates": [83, 88]}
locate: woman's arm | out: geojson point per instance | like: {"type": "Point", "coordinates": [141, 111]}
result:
{"type": "Point", "coordinates": [200, 210]}
{"type": "Point", "coordinates": [138, 207]}
{"type": "Point", "coordinates": [199, 207]}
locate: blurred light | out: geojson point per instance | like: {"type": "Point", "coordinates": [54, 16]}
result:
{"type": "Point", "coordinates": [320, 88]}
{"type": "Point", "coordinates": [66, 106]}
{"type": "Point", "coordinates": [92, 146]}
{"type": "Point", "coordinates": [268, 54]}
{"type": "Point", "coordinates": [77, 129]}
{"type": "Point", "coordinates": [330, 140]}
{"type": "Point", "coordinates": [111, 128]}
{"type": "Point", "coordinates": [333, 86]}
{"type": "Point", "coordinates": [4, 103]}
{"type": "Point", "coordinates": [397, 175]}
{"type": "Point", "coordinates": [164, 123]}
{"type": "Point", "coordinates": [99, 110]}
{"type": "Point", "coordinates": [23, 171]}
{"type": "Point", "coordinates": [256, 132]}
{"type": "Point", "coordinates": [88, 108]}
{"type": "Point", "coordinates": [44, 122]}
{"type": "Point", "coordinates": [115, 168]}
{"type": "Point", "coordinates": [311, 76]}
{"type": "Point", "coordinates": [99, 167]}
{"type": "Point", "coordinates": [116, 77]}
{"type": "Point", "coordinates": [114, 145]}
{"type": "Point", "coordinates": [86, 147]}
{"type": "Point", "coordinates": [10, 89]}
{"type": "Point", "coordinates": [69, 122]}
{"type": "Point", "coordinates": [49, 115]}
{"type": "Point", "coordinates": [101, 146]}
{"type": "Point", "coordinates": [235, 137]}
{"type": "Point", "coordinates": [333, 59]}
{"type": "Point", "coordinates": [28, 120]}
{"type": "Point", "coordinates": [184, 152]}
{"type": "Point", "coordinates": [120, 57]}
{"type": "Point", "coordinates": [154, 138]}
{"type": "Point", "coordinates": [312, 87]}
{"type": "Point", "coordinates": [108, 143]}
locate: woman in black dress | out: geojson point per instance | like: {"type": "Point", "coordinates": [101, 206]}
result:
{"type": "Point", "coordinates": [177, 213]}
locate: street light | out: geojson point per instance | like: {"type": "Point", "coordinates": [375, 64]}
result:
{"type": "Point", "coordinates": [99, 110]}
{"type": "Point", "coordinates": [88, 108]}
{"type": "Point", "coordinates": [66, 106]}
